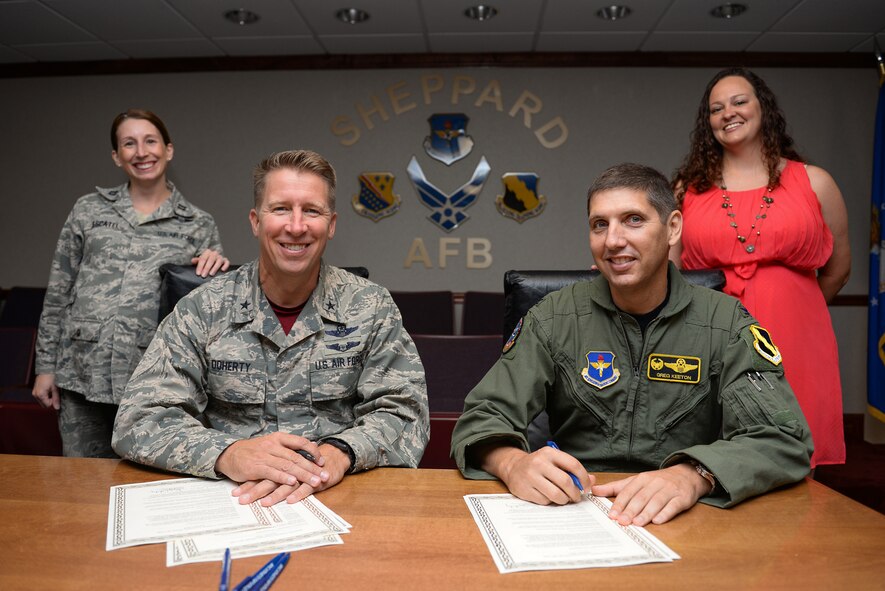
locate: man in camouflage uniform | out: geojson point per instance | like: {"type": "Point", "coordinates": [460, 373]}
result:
{"type": "Point", "coordinates": [639, 371]}
{"type": "Point", "coordinates": [235, 385]}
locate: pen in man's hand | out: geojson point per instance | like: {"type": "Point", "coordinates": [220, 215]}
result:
{"type": "Point", "coordinates": [225, 571]}
{"type": "Point", "coordinates": [574, 478]}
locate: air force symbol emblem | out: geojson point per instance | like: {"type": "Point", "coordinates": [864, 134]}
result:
{"type": "Point", "coordinates": [448, 210]}
{"type": "Point", "coordinates": [600, 370]}
{"type": "Point", "coordinates": [520, 200]}
{"type": "Point", "coordinates": [448, 141]}
{"type": "Point", "coordinates": [376, 199]}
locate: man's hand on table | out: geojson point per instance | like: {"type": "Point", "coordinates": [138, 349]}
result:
{"type": "Point", "coordinates": [541, 477]}
{"type": "Point", "coordinates": [654, 497]}
{"type": "Point", "coordinates": [335, 465]}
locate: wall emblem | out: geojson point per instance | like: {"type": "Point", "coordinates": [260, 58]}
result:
{"type": "Point", "coordinates": [376, 199]}
{"type": "Point", "coordinates": [520, 200]}
{"type": "Point", "coordinates": [448, 210]}
{"type": "Point", "coordinates": [448, 141]}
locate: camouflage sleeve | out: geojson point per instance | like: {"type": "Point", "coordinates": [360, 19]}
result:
{"type": "Point", "coordinates": [765, 440]}
{"type": "Point", "coordinates": [392, 425]}
{"type": "Point", "coordinates": [157, 423]}
{"type": "Point", "coordinates": [59, 292]}
{"type": "Point", "coordinates": [213, 238]}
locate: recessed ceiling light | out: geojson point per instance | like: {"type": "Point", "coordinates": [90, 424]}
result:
{"type": "Point", "coordinates": [614, 12]}
{"type": "Point", "coordinates": [352, 16]}
{"type": "Point", "coordinates": [241, 16]}
{"type": "Point", "coordinates": [481, 12]}
{"type": "Point", "coordinates": [729, 10]}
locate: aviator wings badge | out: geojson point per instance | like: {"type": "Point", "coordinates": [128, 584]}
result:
{"type": "Point", "coordinates": [447, 210]}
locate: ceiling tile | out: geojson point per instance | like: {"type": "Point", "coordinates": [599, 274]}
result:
{"type": "Point", "coordinates": [580, 15]}
{"type": "Point", "coordinates": [626, 41]}
{"type": "Point", "coordinates": [867, 45]}
{"type": "Point", "coordinates": [10, 56]}
{"type": "Point", "coordinates": [481, 43]}
{"type": "Point", "coordinates": [807, 42]}
{"type": "Point", "coordinates": [514, 16]}
{"type": "Point", "coordinates": [851, 16]}
{"type": "Point", "coordinates": [380, 44]}
{"type": "Point", "coordinates": [71, 52]}
{"type": "Point", "coordinates": [30, 22]}
{"type": "Point", "coordinates": [112, 20]}
{"type": "Point", "coordinates": [295, 45]}
{"type": "Point", "coordinates": [276, 18]}
{"type": "Point", "coordinates": [694, 15]}
{"type": "Point", "coordinates": [696, 41]}
{"type": "Point", "coordinates": [386, 17]}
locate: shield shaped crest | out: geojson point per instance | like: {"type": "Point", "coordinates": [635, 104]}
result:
{"type": "Point", "coordinates": [448, 141]}
{"type": "Point", "coordinates": [376, 199]}
{"type": "Point", "coordinates": [600, 370]}
{"type": "Point", "coordinates": [520, 200]}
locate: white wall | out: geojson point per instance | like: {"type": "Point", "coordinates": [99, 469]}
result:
{"type": "Point", "coordinates": [54, 147]}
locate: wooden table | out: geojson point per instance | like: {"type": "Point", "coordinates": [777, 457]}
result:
{"type": "Point", "coordinates": [412, 530]}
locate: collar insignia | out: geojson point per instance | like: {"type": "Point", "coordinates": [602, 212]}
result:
{"type": "Point", "coordinates": [600, 370]}
{"type": "Point", "coordinates": [330, 305]}
{"type": "Point", "coordinates": [245, 305]}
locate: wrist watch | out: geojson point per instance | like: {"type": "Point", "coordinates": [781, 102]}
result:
{"type": "Point", "coordinates": [343, 446]}
{"type": "Point", "coordinates": [705, 474]}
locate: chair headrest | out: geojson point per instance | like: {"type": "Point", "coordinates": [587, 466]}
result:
{"type": "Point", "coordinates": [524, 289]}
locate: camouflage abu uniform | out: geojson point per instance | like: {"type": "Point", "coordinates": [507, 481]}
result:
{"type": "Point", "coordinates": [347, 369]}
{"type": "Point", "coordinates": [101, 304]}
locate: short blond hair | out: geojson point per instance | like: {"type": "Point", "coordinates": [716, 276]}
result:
{"type": "Point", "coordinates": [301, 160]}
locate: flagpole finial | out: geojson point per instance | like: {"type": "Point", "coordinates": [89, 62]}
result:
{"type": "Point", "coordinates": [880, 61]}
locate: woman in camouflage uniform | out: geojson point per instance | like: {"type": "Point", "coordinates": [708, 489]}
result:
{"type": "Point", "coordinates": [100, 310]}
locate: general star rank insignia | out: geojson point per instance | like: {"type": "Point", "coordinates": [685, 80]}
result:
{"type": "Point", "coordinates": [600, 370]}
{"type": "Point", "coordinates": [520, 200]}
{"type": "Point", "coordinates": [376, 199]}
{"type": "Point", "coordinates": [764, 345]}
{"type": "Point", "coordinates": [674, 368]}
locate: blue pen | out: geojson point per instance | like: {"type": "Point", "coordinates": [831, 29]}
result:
{"type": "Point", "coordinates": [268, 580]}
{"type": "Point", "coordinates": [225, 571]}
{"type": "Point", "coordinates": [574, 478]}
{"type": "Point", "coordinates": [253, 581]}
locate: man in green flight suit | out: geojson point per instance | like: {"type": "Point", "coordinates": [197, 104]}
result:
{"type": "Point", "coordinates": [639, 371]}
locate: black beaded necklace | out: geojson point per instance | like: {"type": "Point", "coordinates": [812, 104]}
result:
{"type": "Point", "coordinates": [756, 226]}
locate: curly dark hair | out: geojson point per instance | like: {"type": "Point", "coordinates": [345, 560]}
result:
{"type": "Point", "coordinates": [702, 166]}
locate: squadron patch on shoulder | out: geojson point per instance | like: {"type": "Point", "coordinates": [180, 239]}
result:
{"type": "Point", "coordinates": [674, 368]}
{"type": "Point", "coordinates": [600, 371]}
{"type": "Point", "coordinates": [512, 340]}
{"type": "Point", "coordinates": [764, 345]}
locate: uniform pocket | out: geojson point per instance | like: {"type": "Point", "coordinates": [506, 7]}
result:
{"type": "Point", "coordinates": [237, 396]}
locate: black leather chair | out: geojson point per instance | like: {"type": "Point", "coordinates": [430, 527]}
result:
{"type": "Point", "coordinates": [176, 281]}
{"type": "Point", "coordinates": [524, 289]}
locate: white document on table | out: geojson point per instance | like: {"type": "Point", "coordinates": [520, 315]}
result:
{"type": "Point", "coordinates": [152, 512]}
{"type": "Point", "coordinates": [523, 536]}
{"type": "Point", "coordinates": [298, 526]}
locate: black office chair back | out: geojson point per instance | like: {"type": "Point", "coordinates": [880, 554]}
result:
{"type": "Point", "coordinates": [176, 281]}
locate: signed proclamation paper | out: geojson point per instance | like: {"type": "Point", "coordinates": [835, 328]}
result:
{"type": "Point", "coordinates": [524, 536]}
{"type": "Point", "coordinates": [159, 511]}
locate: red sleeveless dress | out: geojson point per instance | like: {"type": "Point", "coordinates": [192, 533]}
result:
{"type": "Point", "coordinates": [777, 283]}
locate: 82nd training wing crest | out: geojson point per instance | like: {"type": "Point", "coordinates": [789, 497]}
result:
{"type": "Point", "coordinates": [376, 199]}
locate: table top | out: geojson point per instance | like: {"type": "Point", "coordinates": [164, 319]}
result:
{"type": "Point", "coordinates": [412, 529]}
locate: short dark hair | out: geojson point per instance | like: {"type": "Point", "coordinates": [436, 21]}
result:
{"type": "Point", "coordinates": [139, 114]}
{"type": "Point", "coordinates": [300, 160]}
{"type": "Point", "coordinates": [639, 178]}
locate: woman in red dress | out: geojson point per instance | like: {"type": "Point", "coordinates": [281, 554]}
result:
{"type": "Point", "coordinates": [778, 228]}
